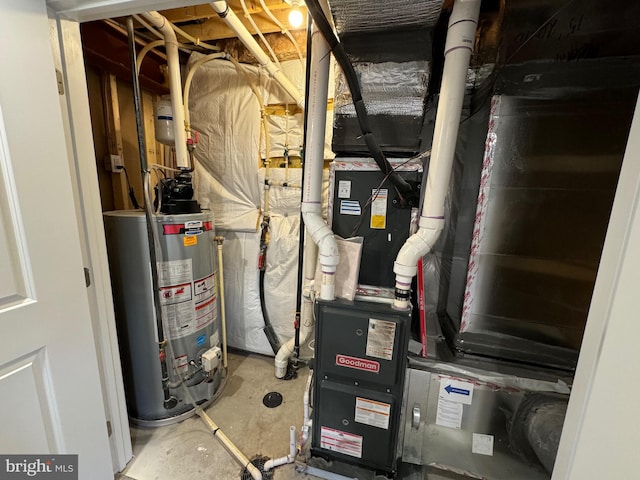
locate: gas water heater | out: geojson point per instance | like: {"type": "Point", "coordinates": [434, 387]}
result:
{"type": "Point", "coordinates": [187, 281]}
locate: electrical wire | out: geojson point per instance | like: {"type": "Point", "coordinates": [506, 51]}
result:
{"type": "Point", "coordinates": [377, 190]}
{"type": "Point", "coordinates": [319, 18]}
{"type": "Point", "coordinates": [132, 195]}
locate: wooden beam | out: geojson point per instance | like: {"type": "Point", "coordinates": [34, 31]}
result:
{"type": "Point", "coordinates": [198, 12]}
{"type": "Point", "coordinates": [214, 28]}
{"type": "Point", "coordinates": [280, 43]}
{"type": "Point", "coordinates": [114, 138]}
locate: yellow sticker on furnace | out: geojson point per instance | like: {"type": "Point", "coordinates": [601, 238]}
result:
{"type": "Point", "coordinates": [379, 209]}
{"type": "Point", "coordinates": [190, 240]}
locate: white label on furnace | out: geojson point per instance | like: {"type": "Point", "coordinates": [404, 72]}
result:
{"type": "Point", "coordinates": [379, 209]}
{"type": "Point", "coordinates": [350, 207]}
{"type": "Point", "coordinates": [341, 442]}
{"type": "Point", "coordinates": [175, 272]}
{"type": "Point", "coordinates": [449, 413]}
{"type": "Point", "coordinates": [214, 339]}
{"type": "Point", "coordinates": [344, 189]}
{"type": "Point", "coordinates": [482, 444]}
{"type": "Point", "coordinates": [456, 390]}
{"type": "Point", "coordinates": [380, 339]}
{"type": "Point", "coordinates": [372, 413]}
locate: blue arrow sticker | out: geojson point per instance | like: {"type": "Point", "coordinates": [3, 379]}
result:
{"type": "Point", "coordinates": [460, 391]}
{"type": "Point", "coordinates": [456, 390]}
{"type": "Point", "coordinates": [201, 340]}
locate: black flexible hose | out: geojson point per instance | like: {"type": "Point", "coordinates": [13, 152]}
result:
{"type": "Point", "coordinates": [269, 332]}
{"type": "Point", "coordinates": [341, 57]}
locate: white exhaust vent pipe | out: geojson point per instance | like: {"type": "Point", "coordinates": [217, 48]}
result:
{"type": "Point", "coordinates": [175, 86]}
{"type": "Point", "coordinates": [319, 231]}
{"type": "Point", "coordinates": [233, 22]}
{"type": "Point", "coordinates": [458, 49]}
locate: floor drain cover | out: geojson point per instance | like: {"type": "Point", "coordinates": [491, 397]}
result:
{"type": "Point", "coordinates": [272, 400]}
{"type": "Point", "coordinates": [259, 462]}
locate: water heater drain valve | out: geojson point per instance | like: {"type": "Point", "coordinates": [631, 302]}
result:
{"type": "Point", "coordinates": [211, 359]}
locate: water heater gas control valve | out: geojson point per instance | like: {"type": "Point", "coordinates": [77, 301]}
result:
{"type": "Point", "coordinates": [211, 359]}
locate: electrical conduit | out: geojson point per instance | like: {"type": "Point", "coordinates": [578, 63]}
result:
{"type": "Point", "coordinates": [233, 22]}
{"type": "Point", "coordinates": [175, 86]}
{"type": "Point", "coordinates": [458, 49]}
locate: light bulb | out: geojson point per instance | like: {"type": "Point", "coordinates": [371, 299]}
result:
{"type": "Point", "coordinates": [295, 17]}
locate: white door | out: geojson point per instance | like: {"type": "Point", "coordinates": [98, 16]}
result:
{"type": "Point", "coordinates": [50, 400]}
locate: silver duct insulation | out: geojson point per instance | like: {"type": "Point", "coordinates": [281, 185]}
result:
{"type": "Point", "coordinates": [388, 88]}
{"type": "Point", "coordinates": [361, 16]}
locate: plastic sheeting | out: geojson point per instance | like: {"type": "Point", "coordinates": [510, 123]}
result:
{"type": "Point", "coordinates": [229, 181]}
{"type": "Point", "coordinates": [226, 114]}
{"type": "Point", "coordinates": [245, 323]}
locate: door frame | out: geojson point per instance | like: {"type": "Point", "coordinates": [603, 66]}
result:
{"type": "Point", "coordinates": [67, 47]}
{"type": "Point", "coordinates": [608, 288]}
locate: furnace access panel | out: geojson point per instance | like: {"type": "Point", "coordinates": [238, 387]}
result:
{"type": "Point", "coordinates": [361, 356]}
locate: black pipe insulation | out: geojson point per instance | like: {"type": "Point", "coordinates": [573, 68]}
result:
{"type": "Point", "coordinates": [319, 18]}
{"type": "Point", "coordinates": [169, 400]}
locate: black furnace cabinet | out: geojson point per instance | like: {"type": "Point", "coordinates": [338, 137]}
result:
{"type": "Point", "coordinates": [361, 357]}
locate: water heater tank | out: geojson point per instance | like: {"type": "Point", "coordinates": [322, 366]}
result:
{"type": "Point", "coordinates": [188, 276]}
{"type": "Point", "coordinates": [163, 122]}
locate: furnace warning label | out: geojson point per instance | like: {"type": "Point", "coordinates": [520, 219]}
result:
{"type": "Point", "coordinates": [449, 414]}
{"type": "Point", "coordinates": [379, 208]}
{"type": "Point", "coordinates": [380, 339]}
{"type": "Point", "coordinates": [372, 413]}
{"type": "Point", "coordinates": [341, 442]}
{"type": "Point", "coordinates": [350, 207]}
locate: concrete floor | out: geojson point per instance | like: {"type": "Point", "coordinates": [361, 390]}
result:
{"type": "Point", "coordinates": [187, 451]}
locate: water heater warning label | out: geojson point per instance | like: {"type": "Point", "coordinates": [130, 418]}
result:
{"type": "Point", "coordinates": [372, 413]}
{"type": "Point", "coordinates": [341, 442]}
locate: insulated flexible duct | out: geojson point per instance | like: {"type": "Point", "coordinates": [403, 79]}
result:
{"type": "Point", "coordinates": [336, 47]}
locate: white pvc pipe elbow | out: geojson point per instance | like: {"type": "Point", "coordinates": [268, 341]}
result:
{"type": "Point", "coordinates": [458, 49]}
{"type": "Point", "coordinates": [231, 19]}
{"type": "Point", "coordinates": [175, 86]}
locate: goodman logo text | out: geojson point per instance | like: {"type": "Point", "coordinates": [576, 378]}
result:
{"type": "Point", "coordinates": [357, 363]}
{"type": "Point", "coordinates": [50, 467]}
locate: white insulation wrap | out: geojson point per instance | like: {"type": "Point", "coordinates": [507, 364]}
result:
{"type": "Point", "coordinates": [226, 115]}
{"type": "Point", "coordinates": [242, 295]}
